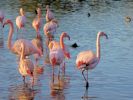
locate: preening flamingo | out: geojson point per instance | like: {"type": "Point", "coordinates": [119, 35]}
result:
{"type": "Point", "coordinates": [87, 60]}
{"type": "Point", "coordinates": [16, 46]}
{"type": "Point", "coordinates": [26, 66]}
{"type": "Point", "coordinates": [21, 21]}
{"type": "Point", "coordinates": [49, 14]}
{"type": "Point", "coordinates": [57, 52]}
{"type": "Point", "coordinates": [37, 22]}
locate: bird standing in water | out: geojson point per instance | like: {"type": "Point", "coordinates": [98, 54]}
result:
{"type": "Point", "coordinates": [87, 60]}
{"type": "Point", "coordinates": [20, 22]}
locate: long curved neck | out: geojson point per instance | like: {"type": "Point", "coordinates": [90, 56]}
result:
{"type": "Point", "coordinates": [98, 47]}
{"type": "Point", "coordinates": [10, 35]}
{"type": "Point", "coordinates": [62, 42]}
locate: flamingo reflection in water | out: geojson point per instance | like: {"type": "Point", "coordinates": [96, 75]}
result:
{"type": "Point", "coordinates": [22, 92]}
{"type": "Point", "coordinates": [58, 86]}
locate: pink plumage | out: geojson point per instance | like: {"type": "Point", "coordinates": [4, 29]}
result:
{"type": "Point", "coordinates": [87, 60]}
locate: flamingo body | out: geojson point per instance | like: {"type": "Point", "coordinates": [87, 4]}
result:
{"type": "Point", "coordinates": [49, 14]}
{"type": "Point", "coordinates": [20, 21]}
{"type": "Point", "coordinates": [26, 67]}
{"type": "Point", "coordinates": [50, 27]}
{"type": "Point", "coordinates": [37, 22]}
{"type": "Point", "coordinates": [87, 60]}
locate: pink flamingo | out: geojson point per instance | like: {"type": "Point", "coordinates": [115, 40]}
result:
{"type": "Point", "coordinates": [37, 22]}
{"type": "Point", "coordinates": [26, 67]}
{"type": "Point", "coordinates": [16, 47]}
{"type": "Point", "coordinates": [50, 30]}
{"type": "Point", "coordinates": [49, 14]}
{"type": "Point", "coordinates": [21, 20]}
{"type": "Point", "coordinates": [87, 60]}
{"type": "Point", "coordinates": [56, 55]}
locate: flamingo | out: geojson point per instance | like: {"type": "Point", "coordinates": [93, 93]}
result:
{"type": "Point", "coordinates": [37, 22]}
{"type": "Point", "coordinates": [50, 29]}
{"type": "Point", "coordinates": [21, 20]}
{"type": "Point", "coordinates": [55, 45]}
{"type": "Point", "coordinates": [87, 60]}
{"type": "Point", "coordinates": [56, 54]}
{"type": "Point", "coordinates": [49, 14]}
{"type": "Point", "coordinates": [15, 47]}
{"type": "Point", "coordinates": [26, 66]}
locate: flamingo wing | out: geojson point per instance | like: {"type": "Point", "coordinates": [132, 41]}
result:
{"type": "Point", "coordinates": [26, 67]}
{"type": "Point", "coordinates": [85, 58]}
{"type": "Point", "coordinates": [29, 47]}
{"type": "Point", "coordinates": [58, 54]}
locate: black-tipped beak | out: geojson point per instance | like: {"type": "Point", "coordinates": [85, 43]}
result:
{"type": "Point", "coordinates": [68, 37]}
{"type": "Point", "coordinates": [36, 11]}
{"type": "Point", "coordinates": [3, 26]}
{"type": "Point", "coordinates": [106, 36]}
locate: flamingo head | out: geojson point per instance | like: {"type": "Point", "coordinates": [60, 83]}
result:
{"type": "Point", "coordinates": [6, 22]}
{"type": "Point", "coordinates": [47, 7]}
{"type": "Point", "coordinates": [64, 34]}
{"type": "Point", "coordinates": [103, 34]}
{"type": "Point", "coordinates": [38, 11]}
{"type": "Point", "coordinates": [22, 13]}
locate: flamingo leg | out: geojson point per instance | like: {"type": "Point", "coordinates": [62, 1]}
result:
{"type": "Point", "coordinates": [64, 68]}
{"type": "Point", "coordinates": [53, 74]}
{"type": "Point", "coordinates": [32, 82]}
{"type": "Point", "coordinates": [24, 79]}
{"type": "Point", "coordinates": [17, 34]}
{"type": "Point", "coordinates": [59, 73]}
{"type": "Point", "coordinates": [87, 83]}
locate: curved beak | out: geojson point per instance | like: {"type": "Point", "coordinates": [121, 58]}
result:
{"type": "Point", "coordinates": [36, 11]}
{"type": "Point", "coordinates": [106, 36]}
{"type": "Point", "coordinates": [68, 37]}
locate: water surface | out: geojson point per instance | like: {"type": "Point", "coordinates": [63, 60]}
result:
{"type": "Point", "coordinates": [111, 79]}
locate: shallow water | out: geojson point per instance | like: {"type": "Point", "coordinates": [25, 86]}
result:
{"type": "Point", "coordinates": [111, 79]}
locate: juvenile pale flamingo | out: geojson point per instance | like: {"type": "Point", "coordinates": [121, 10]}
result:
{"type": "Point", "coordinates": [87, 60]}
{"type": "Point", "coordinates": [16, 46]}
{"type": "Point", "coordinates": [21, 20]}
{"type": "Point", "coordinates": [26, 66]}
{"type": "Point", "coordinates": [56, 54]}
{"type": "Point", "coordinates": [37, 22]}
{"type": "Point", "coordinates": [49, 14]}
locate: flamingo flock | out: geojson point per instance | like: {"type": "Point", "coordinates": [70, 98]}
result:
{"type": "Point", "coordinates": [58, 51]}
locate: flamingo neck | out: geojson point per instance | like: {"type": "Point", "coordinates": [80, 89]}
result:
{"type": "Point", "coordinates": [98, 46]}
{"type": "Point", "coordinates": [9, 41]}
{"type": "Point", "coordinates": [62, 42]}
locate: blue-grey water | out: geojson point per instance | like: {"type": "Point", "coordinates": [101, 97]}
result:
{"type": "Point", "coordinates": [113, 76]}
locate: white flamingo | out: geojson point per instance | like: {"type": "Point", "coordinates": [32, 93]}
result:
{"type": "Point", "coordinates": [87, 60]}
